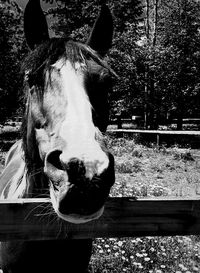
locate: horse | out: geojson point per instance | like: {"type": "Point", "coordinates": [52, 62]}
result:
{"type": "Point", "coordinates": [62, 153]}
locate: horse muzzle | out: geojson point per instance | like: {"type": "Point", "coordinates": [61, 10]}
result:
{"type": "Point", "coordinates": [76, 195]}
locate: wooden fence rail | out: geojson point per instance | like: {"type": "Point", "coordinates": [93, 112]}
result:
{"type": "Point", "coordinates": [158, 133]}
{"type": "Point", "coordinates": [33, 219]}
{"type": "Point", "coordinates": [139, 121]}
{"type": "Point", "coordinates": [164, 132]}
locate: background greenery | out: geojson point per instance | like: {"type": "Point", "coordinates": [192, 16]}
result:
{"type": "Point", "coordinates": [156, 53]}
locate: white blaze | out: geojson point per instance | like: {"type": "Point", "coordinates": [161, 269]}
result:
{"type": "Point", "coordinates": [78, 130]}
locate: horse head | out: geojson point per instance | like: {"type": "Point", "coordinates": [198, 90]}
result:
{"type": "Point", "coordinates": [66, 85]}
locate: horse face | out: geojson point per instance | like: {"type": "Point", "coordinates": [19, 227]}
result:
{"type": "Point", "coordinates": [66, 110]}
{"type": "Point", "coordinates": [76, 162]}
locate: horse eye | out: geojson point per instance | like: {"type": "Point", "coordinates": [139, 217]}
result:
{"type": "Point", "coordinates": [40, 125]}
{"type": "Point", "coordinates": [31, 79]}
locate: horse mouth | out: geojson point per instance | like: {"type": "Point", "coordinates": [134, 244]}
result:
{"type": "Point", "coordinates": [70, 212]}
{"type": "Point", "coordinates": [81, 200]}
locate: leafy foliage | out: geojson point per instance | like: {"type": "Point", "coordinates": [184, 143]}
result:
{"type": "Point", "coordinates": [180, 47]}
{"type": "Point", "coordinates": [156, 53]}
{"type": "Point", "coordinates": [12, 47]}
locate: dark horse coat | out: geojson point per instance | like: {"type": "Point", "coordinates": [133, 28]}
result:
{"type": "Point", "coordinates": [62, 153]}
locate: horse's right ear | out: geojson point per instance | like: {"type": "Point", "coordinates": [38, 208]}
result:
{"type": "Point", "coordinates": [35, 24]}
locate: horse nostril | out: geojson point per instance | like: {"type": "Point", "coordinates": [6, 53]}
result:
{"type": "Point", "coordinates": [54, 159]}
{"type": "Point", "coordinates": [74, 167]}
{"type": "Point", "coordinates": [75, 170]}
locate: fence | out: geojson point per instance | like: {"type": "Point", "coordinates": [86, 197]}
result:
{"type": "Point", "coordinates": [158, 133]}
{"type": "Point", "coordinates": [139, 122]}
{"type": "Point", "coordinates": [29, 219]}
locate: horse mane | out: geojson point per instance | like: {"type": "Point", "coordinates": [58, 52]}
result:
{"type": "Point", "coordinates": [41, 59]}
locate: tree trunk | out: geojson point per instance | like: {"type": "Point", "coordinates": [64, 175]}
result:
{"type": "Point", "coordinates": [148, 21]}
{"type": "Point", "coordinates": [155, 22]}
{"type": "Point", "coordinates": [180, 109]}
{"type": "Point", "coordinates": [153, 117]}
{"type": "Point", "coordinates": [146, 88]}
{"type": "Point", "coordinates": [180, 122]}
{"type": "Point", "coordinates": [146, 110]}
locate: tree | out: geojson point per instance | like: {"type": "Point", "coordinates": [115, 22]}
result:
{"type": "Point", "coordinates": [11, 48]}
{"type": "Point", "coordinates": [180, 22]}
{"type": "Point", "coordinates": [72, 15]}
{"type": "Point", "coordinates": [171, 59]}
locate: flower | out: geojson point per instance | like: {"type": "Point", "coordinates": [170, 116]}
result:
{"type": "Point", "coordinates": [182, 267]}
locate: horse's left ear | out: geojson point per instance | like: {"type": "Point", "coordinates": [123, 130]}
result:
{"type": "Point", "coordinates": [35, 24]}
{"type": "Point", "coordinates": [100, 38]}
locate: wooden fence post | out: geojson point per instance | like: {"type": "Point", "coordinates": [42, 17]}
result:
{"type": "Point", "coordinates": [158, 139]}
{"type": "Point", "coordinates": [119, 122]}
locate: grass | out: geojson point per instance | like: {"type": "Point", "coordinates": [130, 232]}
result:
{"type": "Point", "coordinates": [146, 254]}
{"type": "Point", "coordinates": [146, 172]}
{"type": "Point", "coordinates": [152, 171]}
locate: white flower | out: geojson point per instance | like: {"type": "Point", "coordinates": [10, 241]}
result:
{"type": "Point", "coordinates": [139, 255]}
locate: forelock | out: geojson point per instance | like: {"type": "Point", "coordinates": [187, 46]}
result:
{"type": "Point", "coordinates": [44, 56]}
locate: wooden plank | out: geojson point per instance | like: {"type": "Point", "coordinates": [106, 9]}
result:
{"type": "Point", "coordinates": [136, 131]}
{"type": "Point", "coordinates": [33, 219]}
